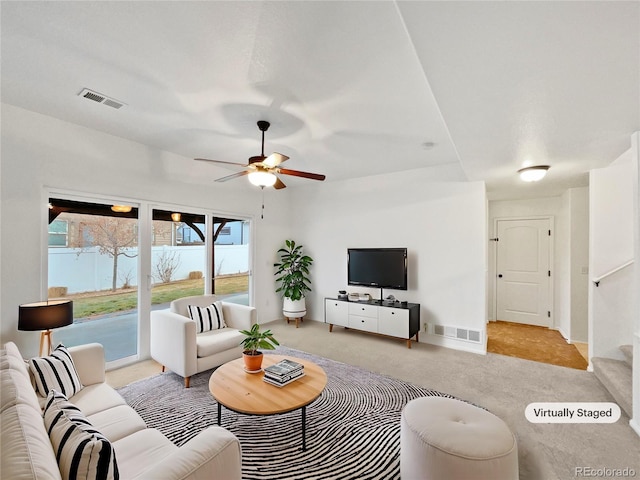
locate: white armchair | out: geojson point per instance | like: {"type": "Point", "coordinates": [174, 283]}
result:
{"type": "Point", "coordinates": [176, 346]}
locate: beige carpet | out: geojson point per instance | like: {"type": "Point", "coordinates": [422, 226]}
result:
{"type": "Point", "coordinates": [504, 385]}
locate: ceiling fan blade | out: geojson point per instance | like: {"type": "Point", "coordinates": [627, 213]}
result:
{"type": "Point", "coordinates": [298, 173]}
{"type": "Point", "coordinates": [232, 176]}
{"type": "Point", "coordinates": [220, 161]}
{"type": "Point", "coordinates": [279, 184]}
{"type": "Point", "coordinates": [275, 159]}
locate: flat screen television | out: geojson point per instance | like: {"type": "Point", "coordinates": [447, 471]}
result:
{"type": "Point", "coordinates": [377, 267]}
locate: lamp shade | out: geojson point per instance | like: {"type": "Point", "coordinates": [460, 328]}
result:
{"type": "Point", "coordinates": [45, 315]}
{"type": "Point", "coordinates": [261, 178]}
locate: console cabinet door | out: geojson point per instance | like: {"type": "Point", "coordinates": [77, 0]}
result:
{"type": "Point", "coordinates": [393, 322]}
{"type": "Point", "coordinates": [336, 313]}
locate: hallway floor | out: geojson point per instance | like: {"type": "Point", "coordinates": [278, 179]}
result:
{"type": "Point", "coordinates": [530, 342]}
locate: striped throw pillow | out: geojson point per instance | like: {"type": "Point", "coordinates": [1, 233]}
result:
{"type": "Point", "coordinates": [207, 318]}
{"type": "Point", "coordinates": [56, 372]}
{"type": "Point", "coordinates": [81, 451]}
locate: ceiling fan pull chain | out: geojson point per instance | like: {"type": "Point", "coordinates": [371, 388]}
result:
{"type": "Point", "coordinates": [262, 212]}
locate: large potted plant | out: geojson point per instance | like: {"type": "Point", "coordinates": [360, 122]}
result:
{"type": "Point", "coordinates": [253, 340]}
{"type": "Point", "coordinates": [293, 276]}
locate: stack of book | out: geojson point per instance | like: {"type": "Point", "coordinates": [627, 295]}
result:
{"type": "Point", "coordinates": [283, 372]}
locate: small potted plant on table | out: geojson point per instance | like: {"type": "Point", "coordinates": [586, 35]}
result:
{"type": "Point", "coordinates": [255, 339]}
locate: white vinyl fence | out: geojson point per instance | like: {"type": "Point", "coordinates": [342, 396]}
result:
{"type": "Point", "coordinates": [87, 270]}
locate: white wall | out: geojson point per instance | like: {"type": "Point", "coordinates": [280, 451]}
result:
{"type": "Point", "coordinates": [579, 264]}
{"type": "Point", "coordinates": [612, 312]}
{"type": "Point", "coordinates": [40, 152]}
{"type": "Point", "coordinates": [443, 225]}
{"type": "Point", "coordinates": [635, 152]}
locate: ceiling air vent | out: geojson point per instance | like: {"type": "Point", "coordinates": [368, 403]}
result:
{"type": "Point", "coordinates": [103, 99]}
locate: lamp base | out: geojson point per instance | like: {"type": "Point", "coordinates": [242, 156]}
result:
{"type": "Point", "coordinates": [45, 335]}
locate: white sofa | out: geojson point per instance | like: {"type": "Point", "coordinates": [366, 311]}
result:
{"type": "Point", "coordinates": [176, 346]}
{"type": "Point", "coordinates": [141, 452]}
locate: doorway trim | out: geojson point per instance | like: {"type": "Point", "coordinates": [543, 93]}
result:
{"type": "Point", "coordinates": [552, 264]}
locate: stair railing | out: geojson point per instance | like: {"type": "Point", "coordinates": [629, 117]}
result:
{"type": "Point", "coordinates": [596, 281]}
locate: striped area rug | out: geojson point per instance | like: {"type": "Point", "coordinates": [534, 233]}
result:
{"type": "Point", "coordinates": [353, 429]}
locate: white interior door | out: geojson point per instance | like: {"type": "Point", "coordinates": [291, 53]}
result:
{"type": "Point", "coordinates": [523, 271]}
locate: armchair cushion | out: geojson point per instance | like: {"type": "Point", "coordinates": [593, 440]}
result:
{"type": "Point", "coordinates": [215, 341]}
{"type": "Point", "coordinates": [181, 305]}
{"type": "Point", "coordinates": [207, 318]}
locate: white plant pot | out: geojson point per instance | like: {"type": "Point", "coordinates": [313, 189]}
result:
{"type": "Point", "coordinates": [294, 308]}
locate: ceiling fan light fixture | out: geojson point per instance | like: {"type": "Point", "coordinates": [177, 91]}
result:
{"type": "Point", "coordinates": [533, 174]}
{"type": "Point", "coordinates": [262, 179]}
{"type": "Point", "coordinates": [121, 208]}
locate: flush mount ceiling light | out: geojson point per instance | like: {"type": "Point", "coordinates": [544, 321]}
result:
{"type": "Point", "coordinates": [533, 174]}
{"type": "Point", "coordinates": [262, 178]}
{"type": "Point", "coordinates": [175, 216]}
{"type": "Point", "coordinates": [121, 208]}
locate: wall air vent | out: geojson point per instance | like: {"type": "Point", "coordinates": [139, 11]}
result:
{"type": "Point", "coordinates": [103, 99]}
{"type": "Point", "coordinates": [458, 333]}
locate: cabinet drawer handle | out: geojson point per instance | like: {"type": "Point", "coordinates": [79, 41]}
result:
{"type": "Point", "coordinates": [393, 313]}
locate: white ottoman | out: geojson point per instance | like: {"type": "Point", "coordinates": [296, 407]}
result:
{"type": "Point", "coordinates": [442, 438]}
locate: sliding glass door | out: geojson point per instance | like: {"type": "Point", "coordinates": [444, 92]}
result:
{"type": "Point", "coordinates": [116, 262]}
{"type": "Point", "coordinates": [178, 256]}
{"type": "Point", "coordinates": [231, 259]}
{"type": "Point", "coordinates": [92, 260]}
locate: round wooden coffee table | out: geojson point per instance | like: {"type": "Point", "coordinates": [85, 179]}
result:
{"type": "Point", "coordinates": [247, 393]}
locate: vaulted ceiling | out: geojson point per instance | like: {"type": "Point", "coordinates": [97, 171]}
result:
{"type": "Point", "coordinates": [470, 90]}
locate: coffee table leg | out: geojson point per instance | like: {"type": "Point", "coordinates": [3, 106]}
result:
{"type": "Point", "coordinates": [219, 414]}
{"type": "Point", "coordinates": [304, 429]}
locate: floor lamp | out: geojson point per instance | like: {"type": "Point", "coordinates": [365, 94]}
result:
{"type": "Point", "coordinates": [45, 316]}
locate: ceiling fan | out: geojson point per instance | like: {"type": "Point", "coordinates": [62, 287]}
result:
{"type": "Point", "coordinates": [262, 170]}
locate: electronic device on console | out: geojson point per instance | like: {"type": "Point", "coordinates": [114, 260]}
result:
{"type": "Point", "coordinates": [359, 297]}
{"type": "Point", "coordinates": [378, 268]}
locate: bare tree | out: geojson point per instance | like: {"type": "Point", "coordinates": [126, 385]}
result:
{"type": "Point", "coordinates": [167, 265]}
{"type": "Point", "coordinates": [219, 268]}
{"type": "Point", "coordinates": [113, 236]}
{"type": "Point", "coordinates": [126, 278]}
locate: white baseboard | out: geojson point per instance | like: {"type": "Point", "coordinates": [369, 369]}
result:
{"type": "Point", "coordinates": [564, 335]}
{"type": "Point", "coordinates": [479, 348]}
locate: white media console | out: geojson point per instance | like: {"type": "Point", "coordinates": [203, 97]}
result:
{"type": "Point", "coordinates": [394, 321]}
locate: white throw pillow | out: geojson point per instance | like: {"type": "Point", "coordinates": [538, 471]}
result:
{"type": "Point", "coordinates": [56, 372]}
{"type": "Point", "coordinates": [81, 451]}
{"type": "Point", "coordinates": [207, 318]}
